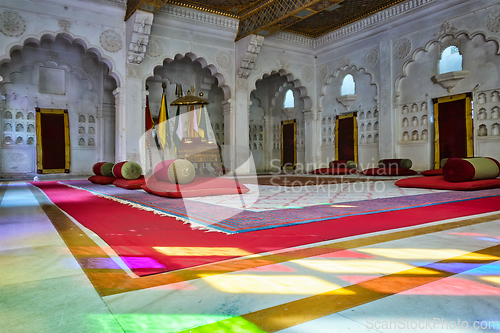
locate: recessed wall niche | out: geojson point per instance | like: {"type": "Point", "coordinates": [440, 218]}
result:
{"type": "Point", "coordinates": [327, 131]}
{"type": "Point", "coordinates": [368, 126]}
{"type": "Point", "coordinates": [414, 126]}
{"type": "Point", "coordinates": [487, 115]}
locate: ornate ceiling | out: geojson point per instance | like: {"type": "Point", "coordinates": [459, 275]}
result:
{"type": "Point", "coordinates": [311, 18]}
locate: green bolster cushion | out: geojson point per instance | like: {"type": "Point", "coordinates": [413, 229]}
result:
{"type": "Point", "coordinates": [403, 163]}
{"type": "Point", "coordinates": [127, 170]}
{"type": "Point", "coordinates": [103, 169]}
{"type": "Point", "coordinates": [349, 164]}
{"type": "Point", "coordinates": [176, 171]}
{"type": "Point", "coordinates": [472, 168]}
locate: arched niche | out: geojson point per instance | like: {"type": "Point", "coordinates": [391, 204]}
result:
{"type": "Point", "coordinates": [186, 71]}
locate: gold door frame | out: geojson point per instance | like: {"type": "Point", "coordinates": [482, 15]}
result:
{"type": "Point", "coordinates": [355, 134]}
{"type": "Point", "coordinates": [286, 122]}
{"type": "Point", "coordinates": [468, 125]}
{"type": "Point", "coordinates": [39, 151]}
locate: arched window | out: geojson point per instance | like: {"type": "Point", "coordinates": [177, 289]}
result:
{"type": "Point", "coordinates": [289, 99]}
{"type": "Point", "coordinates": [451, 60]}
{"type": "Point", "coordinates": [348, 85]}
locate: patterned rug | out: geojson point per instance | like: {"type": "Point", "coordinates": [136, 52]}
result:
{"type": "Point", "coordinates": [239, 220]}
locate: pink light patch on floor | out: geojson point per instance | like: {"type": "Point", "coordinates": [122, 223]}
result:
{"type": "Point", "coordinates": [454, 286]}
{"type": "Point", "coordinates": [345, 254]}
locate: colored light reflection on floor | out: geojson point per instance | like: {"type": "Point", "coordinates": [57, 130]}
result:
{"type": "Point", "coordinates": [141, 262]}
{"type": "Point", "coordinates": [155, 323]}
{"type": "Point", "coordinates": [354, 266]}
{"type": "Point", "coordinates": [270, 284]}
{"type": "Point", "coordinates": [455, 286]}
{"type": "Point", "coordinates": [412, 253]}
{"type": "Point", "coordinates": [201, 251]}
{"type": "Point", "coordinates": [234, 325]}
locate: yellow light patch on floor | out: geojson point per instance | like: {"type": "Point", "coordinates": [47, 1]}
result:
{"type": "Point", "coordinates": [494, 279]}
{"type": "Point", "coordinates": [412, 253]}
{"type": "Point", "coordinates": [270, 284]}
{"type": "Point", "coordinates": [354, 266]}
{"type": "Point", "coordinates": [202, 251]}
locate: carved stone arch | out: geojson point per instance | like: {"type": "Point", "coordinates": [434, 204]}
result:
{"type": "Point", "coordinates": [442, 40]}
{"type": "Point", "coordinates": [73, 39]}
{"type": "Point", "coordinates": [344, 70]}
{"type": "Point", "coordinates": [204, 65]}
{"type": "Point", "coordinates": [290, 78]}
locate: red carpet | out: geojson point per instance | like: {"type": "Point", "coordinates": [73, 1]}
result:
{"type": "Point", "coordinates": [134, 234]}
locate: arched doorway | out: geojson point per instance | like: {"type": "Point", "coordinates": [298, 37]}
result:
{"type": "Point", "coordinates": [56, 72]}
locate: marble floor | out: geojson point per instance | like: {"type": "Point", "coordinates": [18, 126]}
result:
{"type": "Point", "coordinates": [439, 277]}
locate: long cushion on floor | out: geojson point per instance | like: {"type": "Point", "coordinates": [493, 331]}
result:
{"type": "Point", "coordinates": [432, 172]}
{"type": "Point", "coordinates": [439, 183]}
{"type": "Point", "coordinates": [388, 172]}
{"type": "Point", "coordinates": [127, 170]}
{"type": "Point", "coordinates": [404, 163]}
{"type": "Point", "coordinates": [178, 171]}
{"type": "Point", "coordinates": [349, 164]}
{"type": "Point", "coordinates": [103, 169]}
{"type": "Point", "coordinates": [103, 180]}
{"type": "Point", "coordinates": [202, 186]}
{"type": "Point", "coordinates": [129, 184]}
{"type": "Point", "coordinates": [472, 168]}
{"type": "Point", "coordinates": [334, 171]}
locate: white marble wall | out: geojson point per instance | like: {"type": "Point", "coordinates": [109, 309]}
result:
{"type": "Point", "coordinates": [392, 55]}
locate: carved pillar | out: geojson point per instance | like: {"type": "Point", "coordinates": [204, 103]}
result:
{"type": "Point", "coordinates": [107, 132]}
{"type": "Point", "coordinates": [100, 133]}
{"type": "Point", "coordinates": [312, 130]}
{"type": "Point", "coordinates": [120, 125]}
{"type": "Point", "coordinates": [241, 119]}
{"type": "Point", "coordinates": [229, 142]}
{"type": "Point", "coordinates": [387, 116]}
{"type": "Point", "coordinates": [269, 141]}
{"type": "Point", "coordinates": [134, 123]}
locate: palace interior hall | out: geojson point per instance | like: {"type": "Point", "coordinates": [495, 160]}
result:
{"type": "Point", "coordinates": [247, 166]}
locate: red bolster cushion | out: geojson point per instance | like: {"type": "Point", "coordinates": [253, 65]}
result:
{"type": "Point", "coordinates": [472, 168]}
{"type": "Point", "coordinates": [103, 169]}
{"type": "Point", "coordinates": [404, 163]}
{"type": "Point", "coordinates": [127, 170]}
{"type": "Point", "coordinates": [176, 171]}
{"type": "Point", "coordinates": [349, 164]}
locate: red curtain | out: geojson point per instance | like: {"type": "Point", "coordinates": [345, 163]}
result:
{"type": "Point", "coordinates": [452, 129]}
{"type": "Point", "coordinates": [345, 139]}
{"type": "Point", "coordinates": [288, 153]}
{"type": "Point", "coordinates": [52, 141]}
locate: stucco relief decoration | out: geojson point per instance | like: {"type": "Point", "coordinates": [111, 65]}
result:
{"type": "Point", "coordinates": [346, 61]}
{"type": "Point", "coordinates": [282, 64]}
{"type": "Point", "coordinates": [65, 25]}
{"type": "Point", "coordinates": [134, 71]}
{"type": "Point", "coordinates": [402, 48]}
{"type": "Point", "coordinates": [90, 66]}
{"type": "Point", "coordinates": [371, 58]}
{"type": "Point", "coordinates": [323, 72]}
{"type": "Point", "coordinates": [154, 49]}
{"type": "Point", "coordinates": [223, 59]}
{"type": "Point", "coordinates": [111, 41]}
{"type": "Point", "coordinates": [12, 24]}
{"type": "Point", "coordinates": [446, 29]}
{"type": "Point", "coordinates": [52, 55]}
{"type": "Point", "coordinates": [493, 21]}
{"type": "Point", "coordinates": [307, 73]}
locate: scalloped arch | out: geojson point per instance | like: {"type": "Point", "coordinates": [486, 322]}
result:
{"type": "Point", "coordinates": [347, 69]}
{"type": "Point", "coordinates": [204, 64]}
{"type": "Point", "coordinates": [52, 35]}
{"type": "Point", "coordinates": [290, 79]}
{"type": "Point", "coordinates": [441, 40]}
